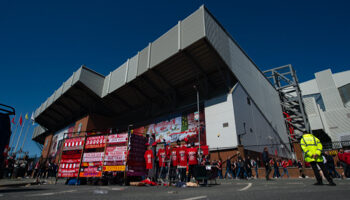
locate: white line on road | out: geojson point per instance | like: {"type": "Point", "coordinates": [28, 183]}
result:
{"type": "Point", "coordinates": [117, 188]}
{"type": "Point", "coordinates": [51, 193]}
{"type": "Point", "coordinates": [246, 187]}
{"type": "Point", "coordinates": [42, 194]}
{"type": "Point", "coordinates": [194, 198]}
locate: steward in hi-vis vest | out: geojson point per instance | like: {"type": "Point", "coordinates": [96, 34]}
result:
{"type": "Point", "coordinates": [312, 148]}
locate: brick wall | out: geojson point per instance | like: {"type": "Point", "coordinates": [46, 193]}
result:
{"type": "Point", "coordinates": [222, 154]}
{"type": "Point", "coordinates": [82, 124]}
{"type": "Point", "coordinates": [46, 147]}
{"type": "Point", "coordinates": [293, 172]}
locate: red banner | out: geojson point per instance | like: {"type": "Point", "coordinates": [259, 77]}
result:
{"type": "Point", "coordinates": [95, 142]}
{"type": "Point", "coordinates": [66, 175]}
{"type": "Point", "coordinates": [90, 174]}
{"type": "Point", "coordinates": [117, 138]}
{"type": "Point", "coordinates": [73, 144]}
{"type": "Point", "coordinates": [111, 163]}
{"type": "Point", "coordinates": [116, 150]}
{"type": "Point", "coordinates": [91, 164]}
{"type": "Point", "coordinates": [69, 165]}
{"type": "Point", "coordinates": [93, 157]}
{"type": "Point", "coordinates": [115, 158]}
{"type": "Point", "coordinates": [68, 170]}
{"type": "Point", "coordinates": [70, 160]}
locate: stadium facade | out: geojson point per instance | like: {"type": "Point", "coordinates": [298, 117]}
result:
{"type": "Point", "coordinates": [238, 105]}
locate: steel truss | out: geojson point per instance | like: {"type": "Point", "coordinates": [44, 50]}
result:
{"type": "Point", "coordinates": [285, 80]}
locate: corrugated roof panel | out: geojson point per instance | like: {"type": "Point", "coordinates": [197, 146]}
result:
{"type": "Point", "coordinates": [132, 68]}
{"type": "Point", "coordinates": [118, 78]}
{"type": "Point", "coordinates": [106, 83]}
{"type": "Point", "coordinates": [58, 92]}
{"type": "Point", "coordinates": [67, 84]}
{"type": "Point", "coordinates": [192, 28]}
{"type": "Point", "coordinates": [92, 80]}
{"type": "Point", "coordinates": [164, 47]}
{"type": "Point", "coordinates": [142, 61]}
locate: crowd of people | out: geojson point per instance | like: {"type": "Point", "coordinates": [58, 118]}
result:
{"type": "Point", "coordinates": [28, 168]}
{"type": "Point", "coordinates": [238, 167]}
{"type": "Point", "coordinates": [180, 163]}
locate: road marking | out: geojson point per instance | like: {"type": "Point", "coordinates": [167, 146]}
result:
{"type": "Point", "coordinates": [117, 188]}
{"type": "Point", "coordinates": [43, 194]}
{"type": "Point", "coordinates": [246, 187]}
{"type": "Point", "coordinates": [194, 198]}
{"type": "Point", "coordinates": [52, 193]}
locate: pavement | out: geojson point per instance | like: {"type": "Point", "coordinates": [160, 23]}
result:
{"type": "Point", "coordinates": [26, 181]}
{"type": "Point", "coordinates": [225, 189]}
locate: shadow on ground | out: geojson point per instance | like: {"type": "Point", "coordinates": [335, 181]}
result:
{"type": "Point", "coordinates": [9, 190]}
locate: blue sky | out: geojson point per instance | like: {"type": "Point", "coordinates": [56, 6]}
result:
{"type": "Point", "coordinates": [43, 42]}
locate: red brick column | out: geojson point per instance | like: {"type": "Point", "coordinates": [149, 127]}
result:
{"type": "Point", "coordinates": [298, 151]}
{"type": "Point", "coordinates": [240, 149]}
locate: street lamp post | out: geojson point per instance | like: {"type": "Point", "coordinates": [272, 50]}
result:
{"type": "Point", "coordinates": [198, 122]}
{"type": "Point", "coordinates": [128, 148]}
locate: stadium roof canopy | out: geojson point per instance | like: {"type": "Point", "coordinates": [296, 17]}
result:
{"type": "Point", "coordinates": [160, 78]}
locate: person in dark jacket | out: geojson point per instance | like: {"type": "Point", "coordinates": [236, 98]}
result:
{"type": "Point", "coordinates": [266, 161]}
{"type": "Point", "coordinates": [228, 168]}
{"type": "Point", "coordinates": [330, 165]}
{"type": "Point", "coordinates": [248, 167]}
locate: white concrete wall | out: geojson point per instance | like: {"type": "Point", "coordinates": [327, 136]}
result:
{"type": "Point", "coordinates": [257, 131]}
{"type": "Point", "coordinates": [235, 110]}
{"type": "Point", "coordinates": [217, 112]}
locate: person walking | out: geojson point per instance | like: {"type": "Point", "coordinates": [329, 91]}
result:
{"type": "Point", "coordinates": [228, 168]}
{"type": "Point", "coordinates": [248, 167]}
{"type": "Point", "coordinates": [312, 149]}
{"type": "Point", "coordinates": [266, 161]}
{"type": "Point", "coordinates": [344, 158]}
{"type": "Point", "coordinates": [241, 173]}
{"type": "Point", "coordinates": [285, 164]}
{"type": "Point", "coordinates": [255, 166]}
{"type": "Point", "coordinates": [276, 172]}
{"type": "Point", "coordinates": [331, 166]}
{"type": "Point", "coordinates": [219, 165]}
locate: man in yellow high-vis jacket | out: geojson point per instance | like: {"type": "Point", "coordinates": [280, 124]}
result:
{"type": "Point", "coordinates": [312, 148]}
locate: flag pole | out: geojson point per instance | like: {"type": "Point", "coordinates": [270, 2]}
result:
{"type": "Point", "coordinates": [20, 134]}
{"type": "Point", "coordinates": [14, 135]}
{"type": "Point", "coordinates": [25, 137]}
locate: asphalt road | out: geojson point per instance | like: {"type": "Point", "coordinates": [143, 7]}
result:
{"type": "Point", "coordinates": [227, 189]}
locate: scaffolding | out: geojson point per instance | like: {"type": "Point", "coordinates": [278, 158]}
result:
{"type": "Point", "coordinates": [285, 80]}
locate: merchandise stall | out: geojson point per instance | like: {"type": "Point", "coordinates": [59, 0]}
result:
{"type": "Point", "coordinates": [114, 164]}
{"type": "Point", "coordinates": [92, 160]}
{"type": "Point", "coordinates": [71, 157]}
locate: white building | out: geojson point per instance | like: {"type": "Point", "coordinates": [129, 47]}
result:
{"type": "Point", "coordinates": [327, 104]}
{"type": "Point", "coordinates": [235, 119]}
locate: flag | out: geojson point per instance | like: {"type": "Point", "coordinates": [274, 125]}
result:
{"type": "Point", "coordinates": [26, 116]}
{"type": "Point", "coordinates": [13, 120]}
{"type": "Point", "coordinates": [20, 120]}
